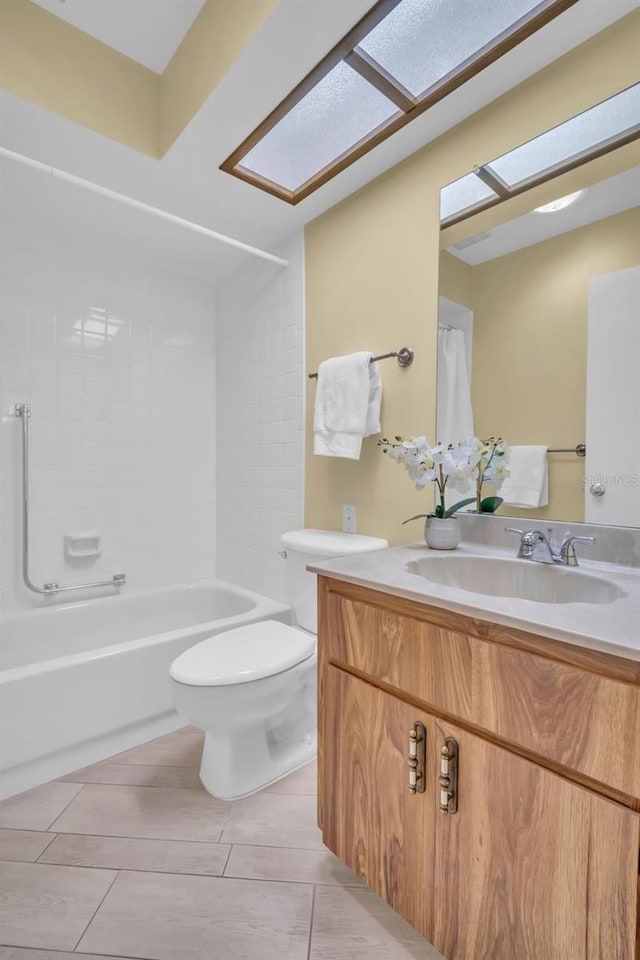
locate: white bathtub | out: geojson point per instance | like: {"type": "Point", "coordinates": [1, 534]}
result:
{"type": "Point", "coordinates": [82, 681]}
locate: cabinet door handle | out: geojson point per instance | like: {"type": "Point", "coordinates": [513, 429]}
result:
{"type": "Point", "coordinates": [417, 754]}
{"type": "Point", "coordinates": [449, 776]}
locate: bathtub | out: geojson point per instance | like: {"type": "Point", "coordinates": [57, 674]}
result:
{"type": "Point", "coordinates": [82, 681]}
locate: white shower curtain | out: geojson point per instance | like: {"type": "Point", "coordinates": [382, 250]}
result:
{"type": "Point", "coordinates": [454, 411]}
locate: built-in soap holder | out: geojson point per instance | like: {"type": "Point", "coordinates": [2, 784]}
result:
{"type": "Point", "coordinates": [82, 546]}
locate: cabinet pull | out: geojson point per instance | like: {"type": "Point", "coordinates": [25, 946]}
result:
{"type": "Point", "coordinates": [417, 753]}
{"type": "Point", "coordinates": [449, 776]}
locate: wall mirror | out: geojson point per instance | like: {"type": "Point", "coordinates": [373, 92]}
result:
{"type": "Point", "coordinates": [539, 321]}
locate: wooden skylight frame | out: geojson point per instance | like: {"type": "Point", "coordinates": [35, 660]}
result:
{"type": "Point", "coordinates": [505, 191]}
{"type": "Point", "coordinates": [409, 106]}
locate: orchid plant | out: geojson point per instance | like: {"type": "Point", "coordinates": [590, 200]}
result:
{"type": "Point", "coordinates": [455, 465]}
{"type": "Point", "coordinates": [492, 467]}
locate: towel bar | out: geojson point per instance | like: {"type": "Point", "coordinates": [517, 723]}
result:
{"type": "Point", "coordinates": [580, 450]}
{"type": "Point", "coordinates": [404, 357]}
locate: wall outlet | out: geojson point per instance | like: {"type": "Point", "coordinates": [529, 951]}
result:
{"type": "Point", "coordinates": [348, 518]}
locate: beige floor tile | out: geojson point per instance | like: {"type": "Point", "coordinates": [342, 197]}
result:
{"type": "Point", "coordinates": [355, 924]}
{"type": "Point", "coordinates": [24, 845]}
{"type": "Point", "coordinates": [180, 749]}
{"type": "Point", "coordinates": [274, 820]}
{"type": "Point", "coordinates": [49, 907]}
{"type": "Point", "coordinates": [38, 808]}
{"type": "Point", "coordinates": [136, 775]}
{"type": "Point", "coordinates": [280, 863]}
{"type": "Point", "coordinates": [25, 953]}
{"type": "Point", "coordinates": [158, 856]}
{"type": "Point", "coordinates": [162, 813]}
{"type": "Point", "coordinates": [201, 918]}
{"type": "Point", "coordinates": [303, 781]}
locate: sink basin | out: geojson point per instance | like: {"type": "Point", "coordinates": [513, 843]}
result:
{"type": "Point", "coordinates": [524, 579]}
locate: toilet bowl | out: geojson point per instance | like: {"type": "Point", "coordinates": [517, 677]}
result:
{"type": "Point", "coordinates": [253, 689]}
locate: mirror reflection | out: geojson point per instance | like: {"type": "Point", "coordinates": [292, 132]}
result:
{"type": "Point", "coordinates": [539, 343]}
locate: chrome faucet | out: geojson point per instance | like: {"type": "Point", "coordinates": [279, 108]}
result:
{"type": "Point", "coordinates": [565, 556]}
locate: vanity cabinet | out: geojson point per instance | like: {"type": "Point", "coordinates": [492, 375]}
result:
{"type": "Point", "coordinates": [539, 861]}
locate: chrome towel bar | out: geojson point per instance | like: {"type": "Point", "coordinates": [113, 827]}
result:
{"type": "Point", "coordinates": [580, 450]}
{"type": "Point", "coordinates": [404, 357]}
{"type": "Point", "coordinates": [23, 410]}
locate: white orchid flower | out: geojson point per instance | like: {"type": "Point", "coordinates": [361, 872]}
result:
{"type": "Point", "coordinates": [498, 473]}
{"type": "Point", "coordinates": [437, 453]}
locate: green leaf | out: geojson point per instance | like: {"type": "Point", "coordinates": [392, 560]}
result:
{"type": "Point", "coordinates": [439, 511]}
{"type": "Point", "coordinates": [457, 506]}
{"type": "Point", "coordinates": [490, 504]}
{"type": "Point", "coordinates": [418, 516]}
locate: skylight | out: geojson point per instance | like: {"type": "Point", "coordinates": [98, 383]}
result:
{"type": "Point", "coordinates": [400, 59]}
{"type": "Point", "coordinates": [337, 113]}
{"type": "Point", "coordinates": [422, 41]}
{"type": "Point", "coordinates": [596, 131]}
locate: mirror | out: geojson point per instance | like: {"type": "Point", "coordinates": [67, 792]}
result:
{"type": "Point", "coordinates": [540, 312]}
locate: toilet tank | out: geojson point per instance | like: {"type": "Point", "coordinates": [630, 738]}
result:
{"type": "Point", "coordinates": [302, 547]}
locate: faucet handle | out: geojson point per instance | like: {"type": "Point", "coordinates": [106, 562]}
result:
{"type": "Point", "coordinates": [528, 540]}
{"type": "Point", "coordinates": [568, 549]}
{"type": "Point", "coordinates": [514, 531]}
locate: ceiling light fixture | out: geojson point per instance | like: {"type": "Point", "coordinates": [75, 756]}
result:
{"type": "Point", "coordinates": [561, 203]}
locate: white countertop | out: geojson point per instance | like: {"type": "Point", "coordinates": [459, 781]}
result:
{"type": "Point", "coordinates": [611, 627]}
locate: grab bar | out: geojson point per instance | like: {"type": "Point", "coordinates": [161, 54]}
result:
{"type": "Point", "coordinates": [23, 410]}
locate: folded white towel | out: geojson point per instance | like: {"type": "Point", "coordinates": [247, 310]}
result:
{"type": "Point", "coordinates": [528, 483]}
{"type": "Point", "coordinates": [347, 407]}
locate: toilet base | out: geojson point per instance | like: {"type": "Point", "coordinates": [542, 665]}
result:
{"type": "Point", "coordinates": [239, 766]}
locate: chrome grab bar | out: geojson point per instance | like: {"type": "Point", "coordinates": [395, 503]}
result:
{"type": "Point", "coordinates": [23, 410]}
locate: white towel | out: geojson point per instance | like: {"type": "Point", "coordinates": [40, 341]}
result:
{"type": "Point", "coordinates": [528, 483]}
{"type": "Point", "coordinates": [347, 407]}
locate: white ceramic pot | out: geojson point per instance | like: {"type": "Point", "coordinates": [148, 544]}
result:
{"type": "Point", "coordinates": [442, 534]}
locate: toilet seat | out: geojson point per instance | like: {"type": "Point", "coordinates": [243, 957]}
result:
{"type": "Point", "coordinates": [246, 653]}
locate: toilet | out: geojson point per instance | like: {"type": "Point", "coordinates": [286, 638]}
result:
{"type": "Point", "coordinates": [253, 689]}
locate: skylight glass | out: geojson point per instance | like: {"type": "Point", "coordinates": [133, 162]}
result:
{"type": "Point", "coordinates": [462, 194]}
{"type": "Point", "coordinates": [338, 112]}
{"type": "Point", "coordinates": [421, 41]}
{"type": "Point", "coordinates": [396, 62]}
{"type": "Point", "coordinates": [608, 119]}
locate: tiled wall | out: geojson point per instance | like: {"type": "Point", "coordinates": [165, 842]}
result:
{"type": "Point", "coordinates": [260, 483]}
{"type": "Point", "coordinates": [116, 357]}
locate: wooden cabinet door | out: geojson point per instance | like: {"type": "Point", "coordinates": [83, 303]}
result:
{"type": "Point", "coordinates": [532, 866]}
{"type": "Point", "coordinates": [372, 821]}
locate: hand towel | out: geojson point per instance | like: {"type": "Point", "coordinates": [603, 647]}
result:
{"type": "Point", "coordinates": [527, 485]}
{"type": "Point", "coordinates": [347, 406]}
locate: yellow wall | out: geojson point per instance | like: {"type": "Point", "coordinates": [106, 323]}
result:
{"type": "Point", "coordinates": [372, 273]}
{"type": "Point", "coordinates": [53, 64]}
{"type": "Point", "coordinates": [455, 279]}
{"type": "Point", "coordinates": [530, 346]}
{"type": "Point", "coordinates": [216, 38]}
{"type": "Point", "coordinates": [48, 61]}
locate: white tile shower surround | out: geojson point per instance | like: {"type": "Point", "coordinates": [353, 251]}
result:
{"type": "Point", "coordinates": [260, 418]}
{"type": "Point", "coordinates": [130, 859]}
{"type": "Point", "coordinates": [116, 356]}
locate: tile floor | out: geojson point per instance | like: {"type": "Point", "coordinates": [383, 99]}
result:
{"type": "Point", "coordinates": [131, 858]}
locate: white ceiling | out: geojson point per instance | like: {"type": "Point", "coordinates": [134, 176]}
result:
{"type": "Point", "coordinates": [187, 181]}
{"type": "Point", "coordinates": [604, 199]}
{"type": "Point", "coordinates": [148, 31]}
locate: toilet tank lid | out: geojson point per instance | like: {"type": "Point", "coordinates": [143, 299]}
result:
{"type": "Point", "coordinates": [331, 543]}
{"type": "Point", "coordinates": [251, 652]}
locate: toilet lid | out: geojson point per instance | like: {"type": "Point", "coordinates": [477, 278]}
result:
{"type": "Point", "coordinates": [246, 653]}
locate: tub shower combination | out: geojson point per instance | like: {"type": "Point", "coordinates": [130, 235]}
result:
{"type": "Point", "coordinates": [84, 680]}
